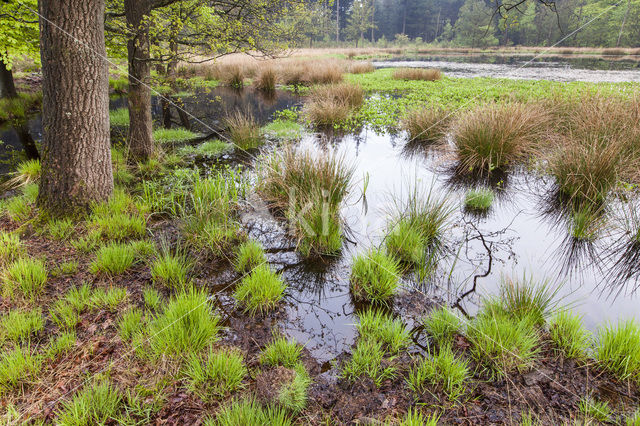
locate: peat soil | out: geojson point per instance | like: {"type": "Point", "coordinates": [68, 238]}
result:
{"type": "Point", "coordinates": [551, 390]}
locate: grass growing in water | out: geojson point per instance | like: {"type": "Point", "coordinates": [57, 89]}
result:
{"type": "Point", "coordinates": [524, 299]}
{"type": "Point", "coordinates": [417, 74]}
{"type": "Point", "coordinates": [331, 105]}
{"type": "Point", "coordinates": [493, 136]}
{"type": "Point", "coordinates": [26, 276]}
{"type": "Point", "coordinates": [618, 350]}
{"type": "Point", "coordinates": [261, 290]}
{"type": "Point", "coordinates": [479, 199]}
{"type": "Point", "coordinates": [186, 325]}
{"type": "Point", "coordinates": [442, 325]}
{"type": "Point", "coordinates": [378, 326]}
{"type": "Point", "coordinates": [249, 255]}
{"type": "Point", "coordinates": [283, 130]}
{"type": "Point", "coordinates": [374, 276]}
{"type": "Point", "coordinates": [216, 375]}
{"type": "Point", "coordinates": [266, 80]}
{"type": "Point", "coordinates": [568, 334]}
{"type": "Point", "coordinates": [443, 370]}
{"type": "Point", "coordinates": [244, 130]}
{"type": "Point", "coordinates": [426, 125]}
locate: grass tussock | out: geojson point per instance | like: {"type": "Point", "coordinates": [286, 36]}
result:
{"type": "Point", "coordinates": [374, 276]}
{"type": "Point", "coordinates": [25, 277]}
{"type": "Point", "coordinates": [494, 136]}
{"type": "Point", "coordinates": [592, 409]}
{"type": "Point", "coordinates": [331, 105]}
{"type": "Point", "coordinates": [323, 73]}
{"type": "Point", "coordinates": [19, 326]}
{"type": "Point", "coordinates": [525, 299]}
{"type": "Point", "coordinates": [244, 130]}
{"type": "Point", "coordinates": [479, 199]}
{"type": "Point", "coordinates": [309, 191]}
{"type": "Point", "coordinates": [281, 351]}
{"type": "Point", "coordinates": [618, 350]}
{"type": "Point", "coordinates": [17, 366]}
{"type": "Point", "coordinates": [217, 374]}
{"type": "Point", "coordinates": [266, 80]}
{"type": "Point", "coordinates": [171, 270]}
{"type": "Point", "coordinates": [249, 412]}
{"type": "Point", "coordinates": [417, 74]}
{"type": "Point", "coordinates": [426, 125]}
{"type": "Point", "coordinates": [293, 395]}
{"type": "Point", "coordinates": [361, 68]}
{"type": "Point", "coordinates": [378, 326]}
{"type": "Point", "coordinates": [261, 290]}
{"type": "Point", "coordinates": [569, 335]}
{"type": "Point", "coordinates": [233, 76]}
{"type": "Point", "coordinates": [367, 360]}
{"type": "Point", "coordinates": [97, 403]}
{"type": "Point", "coordinates": [249, 255]}
{"type": "Point", "coordinates": [442, 370]}
{"type": "Point", "coordinates": [11, 248]}
{"type": "Point", "coordinates": [442, 325]}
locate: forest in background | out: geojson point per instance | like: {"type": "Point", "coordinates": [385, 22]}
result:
{"type": "Point", "coordinates": [475, 23]}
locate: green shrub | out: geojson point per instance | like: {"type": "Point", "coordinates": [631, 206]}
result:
{"type": "Point", "coordinates": [479, 199]}
{"type": "Point", "coordinates": [186, 325]}
{"type": "Point", "coordinates": [217, 375]}
{"type": "Point", "coordinates": [261, 290]}
{"type": "Point", "coordinates": [618, 350]}
{"type": "Point", "coordinates": [569, 335]}
{"type": "Point", "coordinates": [442, 370]}
{"type": "Point", "coordinates": [18, 326]}
{"type": "Point", "coordinates": [281, 351]}
{"type": "Point", "coordinates": [98, 403]}
{"type": "Point", "coordinates": [17, 366]}
{"type": "Point", "coordinates": [442, 324]}
{"type": "Point", "coordinates": [25, 275]}
{"type": "Point", "coordinates": [378, 326]}
{"type": "Point", "coordinates": [250, 254]}
{"type": "Point", "coordinates": [366, 360]}
{"type": "Point", "coordinates": [374, 276]}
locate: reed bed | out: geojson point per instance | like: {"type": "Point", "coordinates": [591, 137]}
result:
{"type": "Point", "coordinates": [417, 74]}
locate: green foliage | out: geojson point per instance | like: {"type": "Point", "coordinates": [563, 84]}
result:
{"type": "Point", "coordinates": [479, 199]}
{"type": "Point", "coordinates": [152, 298]}
{"type": "Point", "coordinates": [261, 290]}
{"type": "Point", "coordinates": [26, 276]}
{"type": "Point", "coordinates": [618, 350]}
{"type": "Point", "coordinates": [596, 410]}
{"type": "Point", "coordinates": [109, 298]}
{"type": "Point", "coordinates": [249, 255]}
{"type": "Point", "coordinates": [18, 326]}
{"type": "Point", "coordinates": [186, 325]}
{"type": "Point", "coordinates": [118, 219]}
{"type": "Point", "coordinates": [86, 244]}
{"type": "Point", "coordinates": [119, 117]}
{"type": "Point", "coordinates": [173, 135]}
{"type": "Point", "coordinates": [27, 172]}
{"type": "Point", "coordinates": [502, 343]}
{"type": "Point", "coordinates": [64, 315]}
{"type": "Point", "coordinates": [214, 148]}
{"type": "Point", "coordinates": [171, 270]}
{"type": "Point", "coordinates": [97, 403]}
{"type": "Point", "coordinates": [442, 370]}
{"type": "Point", "coordinates": [442, 325]}
{"type": "Point", "coordinates": [130, 322]}
{"type": "Point", "coordinates": [18, 208]}
{"type": "Point", "coordinates": [283, 130]}
{"type": "Point", "coordinates": [113, 259]}
{"type": "Point", "coordinates": [378, 326]}
{"type": "Point", "coordinates": [585, 223]}
{"type": "Point", "coordinates": [374, 276]}
{"type": "Point", "coordinates": [407, 243]}
{"type": "Point", "coordinates": [367, 360]}
{"type": "Point", "coordinates": [61, 344]}
{"type": "Point", "coordinates": [293, 395]}
{"type": "Point", "coordinates": [249, 412]}
{"type": "Point", "coordinates": [281, 351]}
{"type": "Point", "coordinates": [17, 366]}
{"type": "Point", "coordinates": [11, 247]}
{"type": "Point", "coordinates": [65, 269]}
{"type": "Point", "coordinates": [523, 299]}
{"type": "Point", "coordinates": [569, 335]}
{"type": "Point", "coordinates": [416, 418]}
{"type": "Point", "coordinates": [244, 131]}
{"type": "Point", "coordinates": [19, 32]}
{"type": "Point", "coordinates": [217, 375]}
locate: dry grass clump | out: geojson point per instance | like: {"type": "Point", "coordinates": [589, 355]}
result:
{"type": "Point", "coordinates": [417, 74]}
{"type": "Point", "coordinates": [495, 135]}
{"type": "Point", "coordinates": [244, 130]}
{"type": "Point", "coordinates": [293, 74]}
{"type": "Point", "coordinates": [428, 124]}
{"type": "Point", "coordinates": [233, 76]}
{"type": "Point", "coordinates": [613, 51]}
{"type": "Point", "coordinates": [361, 68]}
{"type": "Point", "coordinates": [323, 73]}
{"type": "Point", "coordinates": [266, 79]}
{"type": "Point", "coordinates": [332, 104]}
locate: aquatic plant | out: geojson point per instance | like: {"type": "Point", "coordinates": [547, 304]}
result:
{"type": "Point", "coordinates": [427, 124]}
{"type": "Point", "coordinates": [244, 131]}
{"type": "Point", "coordinates": [442, 325]}
{"type": "Point", "coordinates": [322, 73]}
{"type": "Point", "coordinates": [366, 360]}
{"type": "Point", "coordinates": [332, 104]}
{"type": "Point", "coordinates": [283, 129]}
{"type": "Point", "coordinates": [361, 68]}
{"type": "Point", "coordinates": [348, 94]}
{"type": "Point", "coordinates": [186, 325]}
{"type": "Point", "coordinates": [234, 76]}
{"type": "Point", "coordinates": [281, 351]}
{"type": "Point", "coordinates": [586, 222]}
{"type": "Point", "coordinates": [26, 276]}
{"type": "Point", "coordinates": [417, 74]}
{"type": "Point", "coordinates": [407, 243]}
{"type": "Point", "coordinates": [261, 290]}
{"type": "Point", "coordinates": [479, 199]}
{"type": "Point", "coordinates": [266, 79]}
{"type": "Point", "coordinates": [525, 299]}
{"type": "Point", "coordinates": [374, 276]}
{"type": "Point", "coordinates": [594, 409]}
{"type": "Point", "coordinates": [249, 255]}
{"type": "Point", "coordinates": [97, 403]}
{"type": "Point", "coordinates": [18, 326]}
{"type": "Point", "coordinates": [215, 375]}
{"type": "Point", "coordinates": [443, 370]}
{"type": "Point", "coordinates": [569, 336]}
{"type": "Point", "coordinates": [496, 135]}
{"type": "Point", "coordinates": [378, 326]}
{"type": "Point", "coordinates": [618, 349]}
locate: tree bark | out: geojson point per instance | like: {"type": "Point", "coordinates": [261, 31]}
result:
{"type": "Point", "coordinates": [7, 86]}
{"type": "Point", "coordinates": [76, 156]}
{"type": "Point", "coordinates": [140, 136]}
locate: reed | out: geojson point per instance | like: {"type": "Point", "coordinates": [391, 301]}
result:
{"type": "Point", "coordinates": [417, 74]}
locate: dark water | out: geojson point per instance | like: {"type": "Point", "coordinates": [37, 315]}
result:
{"type": "Point", "coordinates": [597, 69]}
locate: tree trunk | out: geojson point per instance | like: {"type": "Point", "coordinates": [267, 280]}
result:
{"type": "Point", "coordinates": [76, 156]}
{"type": "Point", "coordinates": [624, 22]}
{"type": "Point", "coordinates": [337, 21]}
{"type": "Point", "coordinates": [139, 138]}
{"type": "Point", "coordinates": [7, 87]}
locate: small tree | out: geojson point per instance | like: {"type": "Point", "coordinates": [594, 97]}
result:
{"type": "Point", "coordinates": [360, 20]}
{"type": "Point", "coordinates": [474, 26]}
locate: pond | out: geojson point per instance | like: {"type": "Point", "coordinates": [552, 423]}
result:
{"type": "Point", "coordinates": [524, 67]}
